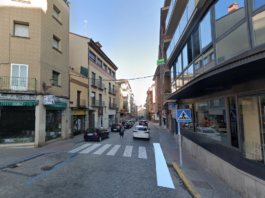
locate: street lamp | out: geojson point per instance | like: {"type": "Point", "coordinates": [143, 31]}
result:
{"type": "Point", "coordinates": [52, 81]}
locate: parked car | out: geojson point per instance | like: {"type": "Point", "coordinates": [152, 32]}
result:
{"type": "Point", "coordinates": [96, 134]}
{"type": "Point", "coordinates": [141, 132]}
{"type": "Point", "coordinates": [127, 125]}
{"type": "Point", "coordinates": [116, 127]}
{"type": "Point", "coordinates": [132, 122]}
{"type": "Point", "coordinates": [143, 122]}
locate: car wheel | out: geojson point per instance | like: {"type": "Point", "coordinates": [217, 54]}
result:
{"type": "Point", "coordinates": [99, 139]}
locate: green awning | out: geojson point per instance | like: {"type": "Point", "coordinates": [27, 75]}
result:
{"type": "Point", "coordinates": [58, 105]}
{"type": "Point", "coordinates": [19, 103]}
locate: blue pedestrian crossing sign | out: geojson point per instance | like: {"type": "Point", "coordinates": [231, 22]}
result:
{"type": "Point", "coordinates": [183, 115]}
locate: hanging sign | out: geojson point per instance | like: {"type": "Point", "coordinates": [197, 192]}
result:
{"type": "Point", "coordinates": [49, 100]}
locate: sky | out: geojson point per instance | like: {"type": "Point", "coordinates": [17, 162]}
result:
{"type": "Point", "coordinates": [128, 30]}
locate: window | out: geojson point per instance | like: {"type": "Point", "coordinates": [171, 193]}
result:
{"type": "Point", "coordinates": [104, 67]}
{"type": "Point", "coordinates": [179, 66]}
{"type": "Point", "coordinates": [109, 100]}
{"type": "Point", "coordinates": [189, 45]}
{"type": "Point", "coordinates": [109, 71]}
{"type": "Point", "coordinates": [198, 67]}
{"type": "Point", "coordinates": [185, 56]}
{"type": "Point", "coordinates": [93, 79]}
{"type": "Point", "coordinates": [99, 62]}
{"type": "Point", "coordinates": [113, 88]}
{"type": "Point", "coordinates": [21, 30]}
{"type": "Point", "coordinates": [205, 61]}
{"type": "Point", "coordinates": [208, 61]}
{"type": "Point", "coordinates": [56, 42]}
{"type": "Point", "coordinates": [233, 121]}
{"type": "Point", "coordinates": [183, 21]}
{"type": "Point", "coordinates": [259, 27]}
{"type": "Point", "coordinates": [100, 98]}
{"type": "Point", "coordinates": [211, 56]}
{"type": "Point", "coordinates": [19, 77]}
{"type": "Point", "coordinates": [172, 73]}
{"type": "Point", "coordinates": [78, 98]}
{"type": "Point", "coordinates": [109, 87]}
{"type": "Point", "coordinates": [179, 82]}
{"type": "Point", "coordinates": [92, 56]}
{"type": "Point", "coordinates": [190, 8]}
{"type": "Point", "coordinates": [227, 14]}
{"type": "Point", "coordinates": [93, 98]}
{"type": "Point", "coordinates": [56, 76]}
{"type": "Point", "coordinates": [53, 124]}
{"type": "Point", "coordinates": [188, 74]}
{"type": "Point", "coordinates": [56, 12]}
{"type": "Point", "coordinates": [196, 43]}
{"type": "Point", "coordinates": [206, 33]}
{"type": "Point", "coordinates": [258, 3]}
{"type": "Point", "coordinates": [113, 74]}
{"type": "Point", "coordinates": [211, 120]}
{"type": "Point", "coordinates": [233, 44]}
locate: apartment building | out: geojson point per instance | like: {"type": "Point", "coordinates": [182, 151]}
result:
{"type": "Point", "coordinates": [123, 98]}
{"type": "Point", "coordinates": [87, 58]}
{"type": "Point", "coordinates": [216, 57]}
{"type": "Point", "coordinates": [153, 111]}
{"type": "Point", "coordinates": [79, 111]}
{"type": "Point", "coordinates": [34, 77]}
{"type": "Point", "coordinates": [141, 112]}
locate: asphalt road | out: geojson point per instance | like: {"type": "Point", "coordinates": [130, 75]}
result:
{"type": "Point", "coordinates": [115, 167]}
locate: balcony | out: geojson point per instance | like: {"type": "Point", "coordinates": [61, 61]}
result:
{"type": "Point", "coordinates": [97, 103]}
{"type": "Point", "coordinates": [100, 85]}
{"type": "Point", "coordinates": [93, 82]}
{"type": "Point", "coordinates": [81, 103]}
{"type": "Point", "coordinates": [112, 91]}
{"type": "Point", "coordinates": [112, 105]}
{"type": "Point", "coordinates": [22, 84]}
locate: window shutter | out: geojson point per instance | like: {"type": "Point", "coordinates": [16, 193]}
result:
{"type": "Point", "coordinates": [21, 30]}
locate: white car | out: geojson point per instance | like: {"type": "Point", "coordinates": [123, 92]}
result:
{"type": "Point", "coordinates": [141, 132]}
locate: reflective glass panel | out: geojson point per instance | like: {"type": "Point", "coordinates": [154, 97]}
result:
{"type": "Point", "coordinates": [179, 66]}
{"type": "Point", "coordinates": [190, 8]}
{"type": "Point", "coordinates": [185, 56]}
{"type": "Point", "coordinates": [206, 33]}
{"type": "Point", "coordinates": [211, 120]}
{"type": "Point", "coordinates": [187, 125]}
{"type": "Point", "coordinates": [189, 44]}
{"type": "Point", "coordinates": [258, 3]}
{"type": "Point", "coordinates": [179, 82]}
{"type": "Point", "coordinates": [259, 28]}
{"type": "Point", "coordinates": [233, 121]}
{"type": "Point", "coordinates": [173, 87]}
{"type": "Point", "coordinates": [198, 67]}
{"type": "Point", "coordinates": [188, 75]}
{"type": "Point", "coordinates": [183, 21]}
{"type": "Point", "coordinates": [233, 44]}
{"type": "Point", "coordinates": [210, 61]}
{"type": "Point", "coordinates": [196, 43]}
{"type": "Point", "coordinates": [172, 74]}
{"type": "Point", "coordinates": [227, 14]}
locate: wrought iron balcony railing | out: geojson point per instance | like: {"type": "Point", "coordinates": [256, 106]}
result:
{"type": "Point", "coordinates": [112, 105]}
{"type": "Point", "coordinates": [93, 82]}
{"type": "Point", "coordinates": [97, 103]}
{"type": "Point", "coordinates": [80, 103]}
{"type": "Point", "coordinates": [112, 91]}
{"type": "Point", "coordinates": [100, 85]}
{"type": "Point", "coordinates": [17, 83]}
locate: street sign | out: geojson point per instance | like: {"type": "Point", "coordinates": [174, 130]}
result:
{"type": "Point", "coordinates": [172, 106]}
{"type": "Point", "coordinates": [183, 115]}
{"type": "Point", "coordinates": [233, 116]}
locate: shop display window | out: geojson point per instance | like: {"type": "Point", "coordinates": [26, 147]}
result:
{"type": "Point", "coordinates": [53, 124]}
{"type": "Point", "coordinates": [211, 120]}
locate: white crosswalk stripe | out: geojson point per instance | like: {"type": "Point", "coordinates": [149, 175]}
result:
{"type": "Point", "coordinates": [79, 148]}
{"type": "Point", "coordinates": [142, 153]}
{"type": "Point", "coordinates": [114, 150]}
{"type": "Point", "coordinates": [102, 149]}
{"type": "Point", "coordinates": [89, 149]}
{"type": "Point", "coordinates": [128, 151]}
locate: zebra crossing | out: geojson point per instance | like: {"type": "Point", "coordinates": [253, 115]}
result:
{"type": "Point", "coordinates": [99, 149]}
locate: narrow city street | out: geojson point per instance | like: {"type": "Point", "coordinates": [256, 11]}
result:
{"type": "Point", "coordinates": [115, 167]}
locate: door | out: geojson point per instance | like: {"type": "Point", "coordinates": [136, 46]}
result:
{"type": "Point", "coordinates": [19, 77]}
{"type": "Point", "coordinates": [100, 82]}
{"type": "Point", "coordinates": [100, 100]}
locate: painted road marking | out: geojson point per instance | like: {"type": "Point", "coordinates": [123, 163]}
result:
{"type": "Point", "coordinates": [79, 148]}
{"type": "Point", "coordinates": [114, 150]}
{"type": "Point", "coordinates": [89, 149]}
{"type": "Point", "coordinates": [102, 149]}
{"type": "Point", "coordinates": [142, 153]}
{"type": "Point", "coordinates": [162, 173]}
{"type": "Point", "coordinates": [128, 151]}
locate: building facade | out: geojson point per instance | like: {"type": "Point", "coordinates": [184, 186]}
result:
{"type": "Point", "coordinates": [216, 58]}
{"type": "Point", "coordinates": [87, 58]}
{"type": "Point", "coordinates": [34, 67]}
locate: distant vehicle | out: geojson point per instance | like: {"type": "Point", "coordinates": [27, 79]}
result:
{"type": "Point", "coordinates": [127, 125]}
{"type": "Point", "coordinates": [141, 132]}
{"type": "Point", "coordinates": [143, 122]}
{"type": "Point", "coordinates": [116, 127]}
{"type": "Point", "coordinates": [96, 134]}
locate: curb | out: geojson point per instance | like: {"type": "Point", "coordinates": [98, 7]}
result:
{"type": "Point", "coordinates": [186, 182]}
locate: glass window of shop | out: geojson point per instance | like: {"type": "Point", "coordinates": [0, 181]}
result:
{"type": "Point", "coordinates": [210, 62]}
{"type": "Point", "coordinates": [53, 124]}
{"type": "Point", "coordinates": [206, 32]}
{"type": "Point", "coordinates": [189, 45]}
{"type": "Point", "coordinates": [211, 120]}
{"type": "Point", "coordinates": [233, 44]}
{"type": "Point", "coordinates": [196, 43]}
{"type": "Point", "coordinates": [187, 125]}
{"type": "Point", "coordinates": [257, 3]}
{"type": "Point", "coordinates": [227, 14]}
{"type": "Point", "coordinates": [233, 121]}
{"type": "Point", "coordinates": [179, 66]}
{"type": "Point", "coordinates": [259, 27]}
{"type": "Point", "coordinates": [252, 111]}
{"type": "Point", "coordinates": [188, 74]}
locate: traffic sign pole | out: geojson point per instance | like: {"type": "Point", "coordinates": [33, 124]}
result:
{"type": "Point", "coordinates": [180, 152]}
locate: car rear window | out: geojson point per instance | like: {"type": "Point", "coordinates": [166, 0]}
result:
{"type": "Point", "coordinates": [114, 124]}
{"type": "Point", "coordinates": [140, 128]}
{"type": "Point", "coordinates": [90, 130]}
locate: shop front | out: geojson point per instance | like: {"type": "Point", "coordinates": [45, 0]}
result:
{"type": "Point", "coordinates": [17, 119]}
{"type": "Point", "coordinates": [78, 121]}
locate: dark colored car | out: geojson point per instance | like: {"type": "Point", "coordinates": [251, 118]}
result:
{"type": "Point", "coordinates": [116, 127]}
{"type": "Point", "coordinates": [127, 125]}
{"type": "Point", "coordinates": [96, 134]}
{"type": "Point", "coordinates": [143, 122]}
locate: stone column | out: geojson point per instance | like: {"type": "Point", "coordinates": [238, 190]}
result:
{"type": "Point", "coordinates": [40, 123]}
{"type": "Point", "coordinates": [65, 122]}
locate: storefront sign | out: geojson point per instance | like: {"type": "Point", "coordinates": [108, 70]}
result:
{"type": "Point", "coordinates": [100, 111]}
{"type": "Point", "coordinates": [61, 100]}
{"type": "Point", "coordinates": [17, 103]}
{"type": "Point", "coordinates": [172, 106]}
{"type": "Point", "coordinates": [16, 97]}
{"type": "Point", "coordinates": [49, 100]}
{"type": "Point", "coordinates": [79, 112]}
{"type": "Point", "coordinates": [21, 103]}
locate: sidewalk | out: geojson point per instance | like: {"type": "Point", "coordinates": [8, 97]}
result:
{"type": "Point", "coordinates": [10, 155]}
{"type": "Point", "coordinates": [204, 182]}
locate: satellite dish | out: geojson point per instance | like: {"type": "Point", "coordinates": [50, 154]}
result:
{"type": "Point", "coordinates": [92, 95]}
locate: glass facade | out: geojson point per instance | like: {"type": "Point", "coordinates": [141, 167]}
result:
{"type": "Point", "coordinates": [208, 60]}
{"type": "Point", "coordinates": [211, 120]}
{"type": "Point", "coordinates": [172, 74]}
{"type": "Point", "coordinates": [259, 27]}
{"type": "Point", "coordinates": [183, 21]}
{"type": "Point", "coordinates": [179, 82]}
{"type": "Point", "coordinates": [196, 43]}
{"type": "Point", "coordinates": [233, 44]}
{"type": "Point", "coordinates": [179, 66]}
{"type": "Point", "coordinates": [188, 74]}
{"type": "Point", "coordinates": [198, 67]}
{"type": "Point", "coordinates": [206, 31]}
{"type": "Point", "coordinates": [258, 3]}
{"type": "Point", "coordinates": [227, 14]}
{"type": "Point", "coordinates": [185, 56]}
{"type": "Point", "coordinates": [233, 121]}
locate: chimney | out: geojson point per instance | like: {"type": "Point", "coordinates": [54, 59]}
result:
{"type": "Point", "coordinates": [99, 45]}
{"type": "Point", "coordinates": [233, 7]}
